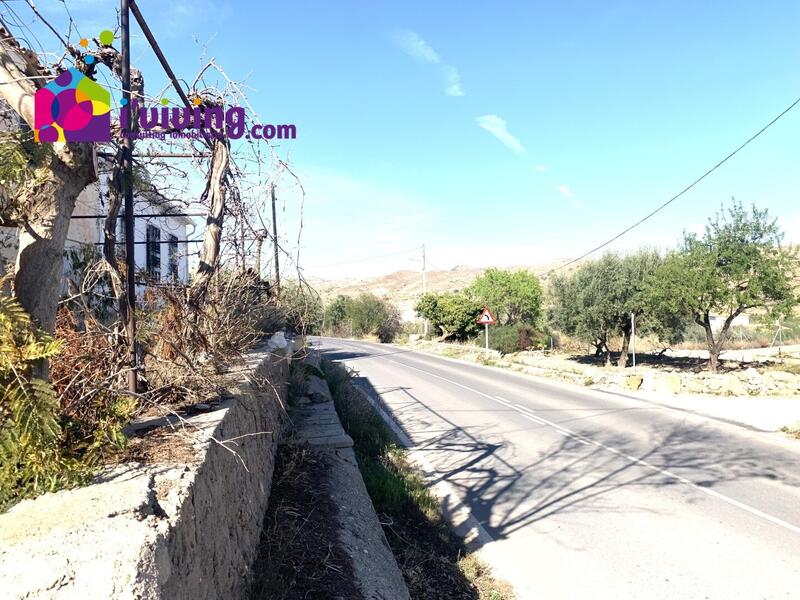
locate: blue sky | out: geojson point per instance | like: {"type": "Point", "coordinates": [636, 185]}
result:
{"type": "Point", "coordinates": [500, 135]}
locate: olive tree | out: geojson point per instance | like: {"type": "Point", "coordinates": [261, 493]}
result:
{"type": "Point", "coordinates": [452, 313]}
{"type": "Point", "coordinates": [737, 264]}
{"type": "Point", "coordinates": [43, 202]}
{"type": "Point", "coordinates": [513, 296]}
{"type": "Point", "coordinates": [586, 303]}
{"type": "Point", "coordinates": [599, 300]}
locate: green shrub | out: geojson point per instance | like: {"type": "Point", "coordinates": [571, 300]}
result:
{"type": "Point", "coordinates": [451, 314]}
{"type": "Point", "coordinates": [32, 459]}
{"type": "Point", "coordinates": [391, 326]}
{"type": "Point", "coordinates": [334, 319]}
{"type": "Point", "coordinates": [364, 315]}
{"type": "Point", "coordinates": [507, 339]}
{"type": "Point", "coordinates": [412, 328]}
{"type": "Point", "coordinates": [392, 485]}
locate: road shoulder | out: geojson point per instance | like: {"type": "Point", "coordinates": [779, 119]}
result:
{"type": "Point", "coordinates": [756, 413]}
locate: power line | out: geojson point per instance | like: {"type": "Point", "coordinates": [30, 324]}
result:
{"type": "Point", "coordinates": [358, 260]}
{"type": "Point", "coordinates": [676, 196]}
{"type": "Point", "coordinates": [438, 268]}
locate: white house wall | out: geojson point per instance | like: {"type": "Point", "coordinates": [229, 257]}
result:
{"type": "Point", "coordinates": [88, 232]}
{"type": "Point", "coordinates": [167, 226]}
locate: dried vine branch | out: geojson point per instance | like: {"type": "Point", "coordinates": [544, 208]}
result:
{"type": "Point", "coordinates": [214, 194]}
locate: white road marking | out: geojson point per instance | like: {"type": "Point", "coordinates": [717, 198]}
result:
{"type": "Point", "coordinates": [525, 411]}
{"type": "Point", "coordinates": [709, 492]}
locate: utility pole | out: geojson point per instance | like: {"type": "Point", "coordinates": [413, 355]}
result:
{"type": "Point", "coordinates": [424, 291]}
{"type": "Point", "coordinates": [129, 310]}
{"type": "Point", "coordinates": [275, 243]}
{"type": "Point", "coordinates": [633, 340]}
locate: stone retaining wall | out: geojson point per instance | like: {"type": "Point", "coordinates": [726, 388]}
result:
{"type": "Point", "coordinates": [159, 531]}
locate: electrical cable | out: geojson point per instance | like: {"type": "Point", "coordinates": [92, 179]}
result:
{"type": "Point", "coordinates": [676, 196]}
{"type": "Point", "coordinates": [358, 260]}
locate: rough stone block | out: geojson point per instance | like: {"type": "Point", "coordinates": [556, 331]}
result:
{"type": "Point", "coordinates": [634, 382]}
{"type": "Point", "coordinates": [668, 383]}
{"type": "Point", "coordinates": [317, 389]}
{"type": "Point", "coordinates": [158, 531]}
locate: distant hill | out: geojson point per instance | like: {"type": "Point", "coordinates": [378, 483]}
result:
{"type": "Point", "coordinates": [404, 287]}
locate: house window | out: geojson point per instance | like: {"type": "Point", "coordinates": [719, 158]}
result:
{"type": "Point", "coordinates": [154, 253]}
{"type": "Point", "coordinates": [172, 254]}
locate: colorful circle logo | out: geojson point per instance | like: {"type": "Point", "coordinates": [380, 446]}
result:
{"type": "Point", "coordinates": [72, 108]}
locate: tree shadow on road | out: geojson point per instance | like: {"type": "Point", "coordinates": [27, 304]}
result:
{"type": "Point", "coordinates": [575, 474]}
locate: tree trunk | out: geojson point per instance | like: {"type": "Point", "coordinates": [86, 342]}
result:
{"type": "Point", "coordinates": [42, 232]}
{"type": "Point", "coordinates": [713, 359]}
{"type": "Point", "coordinates": [257, 265]}
{"type": "Point", "coordinates": [713, 362]}
{"type": "Point", "coordinates": [215, 194]}
{"type": "Point", "coordinates": [713, 346]}
{"type": "Point", "coordinates": [45, 206]}
{"type": "Point", "coordinates": [623, 355]}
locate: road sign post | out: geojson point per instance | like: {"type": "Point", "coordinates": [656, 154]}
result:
{"type": "Point", "coordinates": [633, 339]}
{"type": "Point", "coordinates": [487, 318]}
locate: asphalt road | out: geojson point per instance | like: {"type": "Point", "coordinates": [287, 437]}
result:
{"type": "Point", "coordinates": [588, 494]}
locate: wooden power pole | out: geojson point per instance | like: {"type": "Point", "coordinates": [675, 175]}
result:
{"type": "Point", "coordinates": [275, 243]}
{"type": "Point", "coordinates": [424, 291]}
{"type": "Point", "coordinates": [129, 310]}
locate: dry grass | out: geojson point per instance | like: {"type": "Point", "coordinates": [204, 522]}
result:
{"type": "Point", "coordinates": [299, 556]}
{"type": "Point", "coordinates": [786, 366]}
{"type": "Point", "coordinates": [481, 577]}
{"type": "Point", "coordinates": [186, 347]}
{"type": "Point", "coordinates": [792, 430]}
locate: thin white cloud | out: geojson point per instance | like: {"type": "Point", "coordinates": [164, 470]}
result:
{"type": "Point", "coordinates": [453, 82]}
{"type": "Point", "coordinates": [541, 168]}
{"type": "Point", "coordinates": [565, 191]}
{"type": "Point", "coordinates": [497, 127]}
{"type": "Point", "coordinates": [413, 45]}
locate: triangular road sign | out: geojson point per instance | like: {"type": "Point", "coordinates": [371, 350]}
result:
{"type": "Point", "coordinates": [486, 318]}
